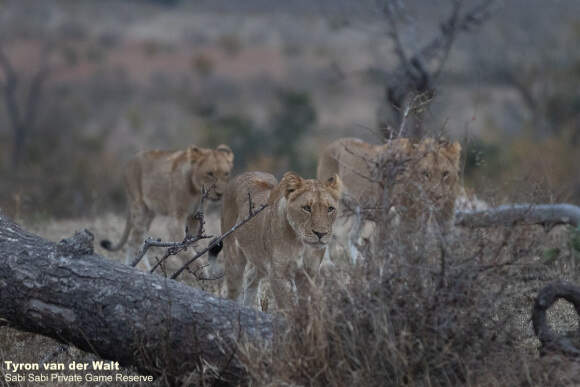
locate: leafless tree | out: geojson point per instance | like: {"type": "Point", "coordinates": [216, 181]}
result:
{"type": "Point", "coordinates": [22, 102]}
{"type": "Point", "coordinates": [411, 86]}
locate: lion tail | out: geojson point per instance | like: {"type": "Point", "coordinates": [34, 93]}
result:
{"type": "Point", "coordinates": [212, 258]}
{"type": "Point", "coordinates": [107, 245]}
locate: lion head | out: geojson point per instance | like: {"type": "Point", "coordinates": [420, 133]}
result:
{"type": "Point", "coordinates": [210, 169]}
{"type": "Point", "coordinates": [430, 181]}
{"type": "Point", "coordinates": [310, 206]}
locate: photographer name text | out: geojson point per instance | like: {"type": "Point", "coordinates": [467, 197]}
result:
{"type": "Point", "coordinates": [25, 372]}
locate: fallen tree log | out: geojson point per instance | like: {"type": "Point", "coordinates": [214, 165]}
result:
{"type": "Point", "coordinates": [510, 214]}
{"type": "Point", "coordinates": [566, 344]}
{"type": "Point", "coordinates": [158, 325]}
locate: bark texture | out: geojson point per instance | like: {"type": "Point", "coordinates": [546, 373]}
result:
{"type": "Point", "coordinates": [64, 291]}
{"type": "Point", "coordinates": [507, 215]}
{"type": "Point", "coordinates": [568, 343]}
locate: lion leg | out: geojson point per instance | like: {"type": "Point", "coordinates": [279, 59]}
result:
{"type": "Point", "coordinates": [307, 277]}
{"type": "Point", "coordinates": [141, 218]}
{"type": "Point", "coordinates": [254, 276]}
{"type": "Point", "coordinates": [282, 291]}
{"type": "Point", "coordinates": [234, 270]}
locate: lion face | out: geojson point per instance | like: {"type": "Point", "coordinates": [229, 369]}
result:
{"type": "Point", "coordinates": [211, 169]}
{"type": "Point", "coordinates": [311, 207]}
{"type": "Point", "coordinates": [433, 176]}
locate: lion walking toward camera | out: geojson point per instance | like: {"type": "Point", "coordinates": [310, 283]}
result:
{"type": "Point", "coordinates": [418, 181]}
{"type": "Point", "coordinates": [170, 183]}
{"type": "Point", "coordinates": [286, 242]}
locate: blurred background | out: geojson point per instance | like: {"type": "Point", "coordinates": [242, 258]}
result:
{"type": "Point", "coordinates": [86, 84]}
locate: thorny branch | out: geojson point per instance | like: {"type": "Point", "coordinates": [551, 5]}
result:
{"type": "Point", "coordinates": [219, 239]}
{"type": "Point", "coordinates": [174, 248]}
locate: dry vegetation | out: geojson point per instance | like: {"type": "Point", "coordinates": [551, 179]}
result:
{"type": "Point", "coordinates": [397, 320]}
{"type": "Point", "coordinates": [417, 310]}
{"type": "Point", "coordinates": [414, 312]}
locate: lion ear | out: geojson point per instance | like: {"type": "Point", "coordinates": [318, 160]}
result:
{"type": "Point", "coordinates": [227, 151]}
{"type": "Point", "coordinates": [194, 153]}
{"type": "Point", "coordinates": [335, 184]}
{"type": "Point", "coordinates": [290, 183]}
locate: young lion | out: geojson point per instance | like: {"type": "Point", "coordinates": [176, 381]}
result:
{"type": "Point", "coordinates": [419, 178]}
{"type": "Point", "coordinates": [285, 242]}
{"type": "Point", "coordinates": [419, 181]}
{"type": "Point", "coordinates": [170, 183]}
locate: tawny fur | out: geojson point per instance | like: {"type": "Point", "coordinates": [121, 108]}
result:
{"type": "Point", "coordinates": [417, 182]}
{"type": "Point", "coordinates": [170, 183]}
{"type": "Point", "coordinates": [428, 177]}
{"type": "Point", "coordinates": [285, 243]}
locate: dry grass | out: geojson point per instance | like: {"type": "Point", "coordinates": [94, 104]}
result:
{"type": "Point", "coordinates": [400, 317]}
{"type": "Point", "coordinates": [386, 322]}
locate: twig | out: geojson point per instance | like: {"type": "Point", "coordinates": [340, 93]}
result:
{"type": "Point", "coordinates": [199, 215]}
{"type": "Point", "coordinates": [217, 240]}
{"type": "Point", "coordinates": [250, 204]}
{"type": "Point", "coordinates": [201, 278]}
{"type": "Point", "coordinates": [174, 248]}
{"type": "Point", "coordinates": [412, 74]}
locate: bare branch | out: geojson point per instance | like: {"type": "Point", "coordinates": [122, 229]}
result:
{"type": "Point", "coordinates": [174, 247]}
{"type": "Point", "coordinates": [413, 75]}
{"type": "Point", "coordinates": [219, 239]}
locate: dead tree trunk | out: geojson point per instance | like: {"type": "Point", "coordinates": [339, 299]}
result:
{"type": "Point", "coordinates": [566, 344]}
{"type": "Point", "coordinates": [507, 215]}
{"type": "Point", "coordinates": [158, 325]}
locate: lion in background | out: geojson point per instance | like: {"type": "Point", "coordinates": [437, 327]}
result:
{"type": "Point", "coordinates": [419, 181]}
{"type": "Point", "coordinates": [170, 183]}
{"type": "Point", "coordinates": [285, 242]}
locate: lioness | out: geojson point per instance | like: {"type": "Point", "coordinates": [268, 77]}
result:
{"type": "Point", "coordinates": [424, 176]}
{"type": "Point", "coordinates": [419, 181]}
{"type": "Point", "coordinates": [285, 242]}
{"type": "Point", "coordinates": [170, 183]}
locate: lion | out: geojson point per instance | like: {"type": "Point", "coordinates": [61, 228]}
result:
{"type": "Point", "coordinates": [419, 181]}
{"type": "Point", "coordinates": [285, 243]}
{"type": "Point", "coordinates": [169, 183]}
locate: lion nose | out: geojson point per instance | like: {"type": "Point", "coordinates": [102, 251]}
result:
{"type": "Point", "coordinates": [319, 234]}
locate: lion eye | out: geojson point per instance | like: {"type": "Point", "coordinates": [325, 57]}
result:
{"type": "Point", "coordinates": [426, 174]}
{"type": "Point", "coordinates": [331, 209]}
{"type": "Point", "coordinates": [445, 175]}
{"type": "Point", "coordinates": [227, 174]}
{"type": "Point", "coordinates": [210, 174]}
{"type": "Point", "coordinates": [307, 208]}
